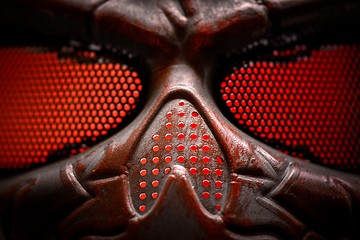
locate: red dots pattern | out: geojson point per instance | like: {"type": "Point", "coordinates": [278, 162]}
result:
{"type": "Point", "coordinates": [154, 195]}
{"type": "Point", "coordinates": [155, 183]}
{"type": "Point", "coordinates": [155, 160]}
{"type": "Point", "coordinates": [178, 136]}
{"type": "Point", "coordinates": [307, 107]}
{"type": "Point", "coordinates": [143, 161]}
{"type": "Point", "coordinates": [206, 183]}
{"type": "Point", "coordinates": [56, 103]}
{"type": "Point", "coordinates": [143, 172]}
{"type": "Point", "coordinates": [193, 171]}
{"type": "Point", "coordinates": [143, 184]}
{"type": "Point", "coordinates": [205, 195]}
{"type": "Point", "coordinates": [142, 196]}
{"type": "Point", "coordinates": [168, 159]}
{"type": "Point", "coordinates": [142, 208]}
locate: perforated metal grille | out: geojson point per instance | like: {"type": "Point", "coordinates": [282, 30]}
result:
{"type": "Point", "coordinates": [56, 103]}
{"type": "Point", "coordinates": [307, 106]}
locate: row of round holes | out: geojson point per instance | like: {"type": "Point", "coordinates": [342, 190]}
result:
{"type": "Point", "coordinates": [193, 171]}
{"type": "Point", "coordinates": [193, 159]}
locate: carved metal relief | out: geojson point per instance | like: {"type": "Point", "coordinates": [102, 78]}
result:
{"type": "Point", "coordinates": [180, 170]}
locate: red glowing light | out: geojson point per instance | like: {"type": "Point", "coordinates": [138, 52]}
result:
{"type": "Point", "coordinates": [205, 195]}
{"type": "Point", "coordinates": [180, 159]}
{"type": "Point", "coordinates": [53, 105]}
{"type": "Point", "coordinates": [206, 183]}
{"type": "Point", "coordinates": [154, 195]}
{"type": "Point", "coordinates": [181, 135]}
{"type": "Point", "coordinates": [168, 159]}
{"type": "Point", "coordinates": [218, 172]}
{"type": "Point", "coordinates": [168, 136]}
{"type": "Point", "coordinates": [142, 196]}
{"type": "Point", "coordinates": [205, 148]}
{"type": "Point", "coordinates": [218, 207]}
{"type": "Point", "coordinates": [156, 148]}
{"type": "Point", "coordinates": [193, 136]}
{"type": "Point", "coordinates": [206, 137]}
{"type": "Point", "coordinates": [194, 114]}
{"type": "Point", "coordinates": [142, 184]}
{"type": "Point", "coordinates": [193, 171]}
{"type": "Point", "coordinates": [143, 172]}
{"type": "Point", "coordinates": [218, 184]}
{"type": "Point", "coordinates": [206, 171]}
{"type": "Point", "coordinates": [155, 160]}
{"type": "Point", "coordinates": [181, 124]}
{"type": "Point", "coordinates": [155, 171]}
{"type": "Point", "coordinates": [193, 159]}
{"type": "Point", "coordinates": [155, 183]}
{"type": "Point", "coordinates": [308, 107]}
{"type": "Point", "coordinates": [218, 195]}
{"type": "Point", "coordinates": [142, 208]}
{"type": "Point", "coordinates": [168, 148]}
{"type": "Point", "coordinates": [193, 147]}
{"type": "Point", "coordinates": [181, 147]}
{"type": "Point", "coordinates": [205, 159]}
{"type": "Point", "coordinates": [143, 161]}
{"type": "Point", "coordinates": [219, 160]}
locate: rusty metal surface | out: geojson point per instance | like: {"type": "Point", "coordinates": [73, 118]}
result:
{"type": "Point", "coordinates": [60, 18]}
{"type": "Point", "coordinates": [288, 13]}
{"type": "Point", "coordinates": [267, 195]}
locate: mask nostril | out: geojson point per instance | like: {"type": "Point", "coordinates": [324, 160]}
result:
{"type": "Point", "coordinates": [178, 136]}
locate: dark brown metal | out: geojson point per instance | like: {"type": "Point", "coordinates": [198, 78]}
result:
{"type": "Point", "coordinates": [269, 196]}
{"type": "Point", "coordinates": [288, 13]}
{"type": "Point", "coordinates": [69, 19]}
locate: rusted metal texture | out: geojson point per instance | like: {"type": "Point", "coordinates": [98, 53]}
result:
{"type": "Point", "coordinates": [180, 169]}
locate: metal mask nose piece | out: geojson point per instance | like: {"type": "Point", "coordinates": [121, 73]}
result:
{"type": "Point", "coordinates": [178, 136]}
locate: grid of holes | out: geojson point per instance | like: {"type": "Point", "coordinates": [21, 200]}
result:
{"type": "Point", "coordinates": [182, 140]}
{"type": "Point", "coordinates": [307, 107]}
{"type": "Point", "coordinates": [55, 106]}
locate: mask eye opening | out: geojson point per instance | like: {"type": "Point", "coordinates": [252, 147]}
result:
{"type": "Point", "coordinates": [76, 59]}
{"type": "Point", "coordinates": [285, 50]}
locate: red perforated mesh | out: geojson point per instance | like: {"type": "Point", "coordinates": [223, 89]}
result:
{"type": "Point", "coordinates": [53, 106]}
{"type": "Point", "coordinates": [307, 107]}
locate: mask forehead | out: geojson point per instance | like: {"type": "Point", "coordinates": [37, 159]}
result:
{"type": "Point", "coordinates": [183, 25]}
{"type": "Point", "coordinates": [169, 25]}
